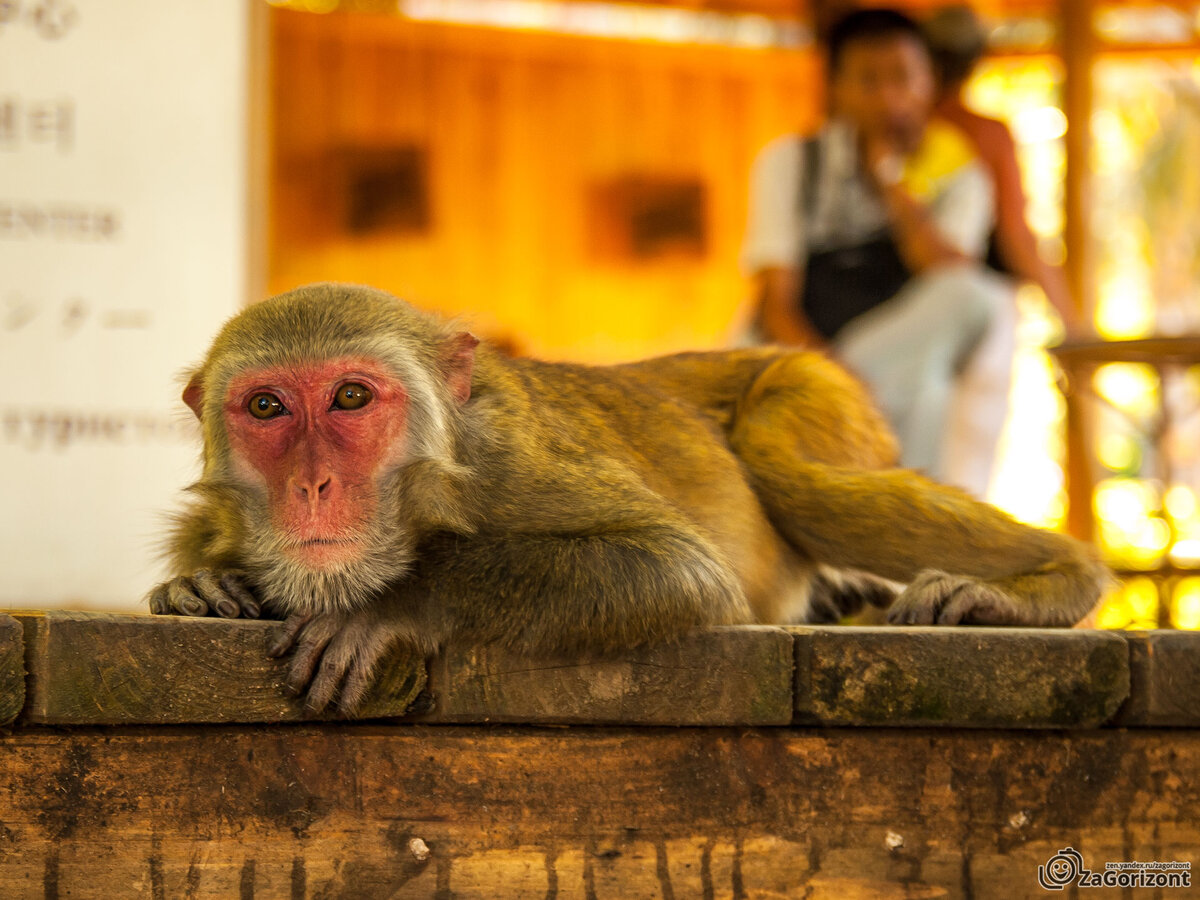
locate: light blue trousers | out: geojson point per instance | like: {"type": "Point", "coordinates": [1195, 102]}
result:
{"type": "Point", "coordinates": [911, 349]}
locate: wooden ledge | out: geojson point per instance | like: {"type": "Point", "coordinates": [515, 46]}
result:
{"type": "Point", "coordinates": [97, 669]}
{"type": "Point", "coordinates": [723, 676]}
{"type": "Point", "coordinates": [72, 668]}
{"type": "Point", "coordinates": [961, 677]}
{"type": "Point", "coordinates": [12, 670]}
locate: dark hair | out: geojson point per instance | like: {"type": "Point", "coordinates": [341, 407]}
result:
{"type": "Point", "coordinates": [870, 25]}
{"type": "Point", "coordinates": [957, 40]}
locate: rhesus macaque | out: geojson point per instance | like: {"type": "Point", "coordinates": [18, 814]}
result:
{"type": "Point", "coordinates": [374, 475]}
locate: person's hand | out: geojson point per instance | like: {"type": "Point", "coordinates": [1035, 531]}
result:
{"type": "Point", "coordinates": [882, 160]}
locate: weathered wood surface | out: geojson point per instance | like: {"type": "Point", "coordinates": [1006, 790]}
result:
{"type": "Point", "coordinates": [95, 669]}
{"type": "Point", "coordinates": [333, 810]}
{"type": "Point", "coordinates": [89, 669]}
{"type": "Point", "coordinates": [722, 676]}
{"type": "Point", "coordinates": [960, 677]}
{"type": "Point", "coordinates": [12, 669]}
{"type": "Point", "coordinates": [1165, 682]}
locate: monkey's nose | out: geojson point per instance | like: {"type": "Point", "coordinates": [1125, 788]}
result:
{"type": "Point", "coordinates": [312, 491]}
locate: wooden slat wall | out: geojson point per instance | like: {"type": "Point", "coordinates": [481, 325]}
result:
{"type": "Point", "coordinates": [518, 126]}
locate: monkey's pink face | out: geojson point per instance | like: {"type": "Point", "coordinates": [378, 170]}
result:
{"type": "Point", "coordinates": [317, 438]}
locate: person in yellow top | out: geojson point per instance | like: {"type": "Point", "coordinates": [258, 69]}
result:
{"type": "Point", "coordinates": [868, 238]}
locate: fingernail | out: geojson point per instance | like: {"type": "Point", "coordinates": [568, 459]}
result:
{"type": "Point", "coordinates": [194, 607]}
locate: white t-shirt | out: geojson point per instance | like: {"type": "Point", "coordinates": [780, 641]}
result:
{"type": "Point", "coordinates": [944, 173]}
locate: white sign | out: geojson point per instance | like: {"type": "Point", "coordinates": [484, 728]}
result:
{"type": "Point", "coordinates": [123, 246]}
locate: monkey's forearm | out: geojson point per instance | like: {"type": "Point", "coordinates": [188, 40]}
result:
{"type": "Point", "coordinates": [834, 515]}
{"type": "Point", "coordinates": [557, 593]}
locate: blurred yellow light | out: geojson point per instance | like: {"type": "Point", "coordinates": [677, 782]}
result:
{"type": "Point", "coordinates": [1128, 386]}
{"type": "Point", "coordinates": [1044, 123]}
{"type": "Point", "coordinates": [1141, 598]}
{"type": "Point", "coordinates": [1180, 502]}
{"type": "Point", "coordinates": [1124, 310]}
{"type": "Point", "coordinates": [1186, 552]}
{"type": "Point", "coordinates": [1185, 604]}
{"type": "Point", "coordinates": [1152, 537]}
{"type": "Point", "coordinates": [1123, 501]}
{"type": "Point", "coordinates": [1118, 452]}
{"type": "Point", "coordinates": [1112, 615]}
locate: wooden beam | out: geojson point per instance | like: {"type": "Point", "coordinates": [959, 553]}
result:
{"type": "Point", "coordinates": [1078, 41]}
{"type": "Point", "coordinates": [1165, 689]}
{"type": "Point", "coordinates": [95, 669]}
{"type": "Point", "coordinates": [12, 670]}
{"type": "Point", "coordinates": [337, 810]}
{"type": "Point", "coordinates": [722, 676]}
{"type": "Point", "coordinates": [960, 677]}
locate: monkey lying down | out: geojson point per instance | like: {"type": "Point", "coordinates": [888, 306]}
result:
{"type": "Point", "coordinates": [373, 475]}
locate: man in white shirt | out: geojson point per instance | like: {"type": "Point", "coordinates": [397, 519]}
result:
{"type": "Point", "coordinates": [869, 237]}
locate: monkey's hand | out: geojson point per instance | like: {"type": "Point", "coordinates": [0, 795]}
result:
{"type": "Point", "coordinates": [938, 598]}
{"type": "Point", "coordinates": [205, 593]}
{"type": "Point", "coordinates": [335, 654]}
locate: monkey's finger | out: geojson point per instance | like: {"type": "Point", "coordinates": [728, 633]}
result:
{"type": "Point", "coordinates": [159, 602]}
{"type": "Point", "coordinates": [358, 682]}
{"type": "Point", "coordinates": [309, 651]}
{"type": "Point", "coordinates": [912, 611]}
{"type": "Point", "coordinates": [209, 590]}
{"type": "Point", "coordinates": [329, 676]}
{"type": "Point", "coordinates": [232, 585]}
{"type": "Point", "coordinates": [977, 604]}
{"type": "Point", "coordinates": [183, 601]}
{"type": "Point", "coordinates": [286, 636]}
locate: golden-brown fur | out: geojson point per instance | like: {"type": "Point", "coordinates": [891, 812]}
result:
{"type": "Point", "coordinates": [566, 508]}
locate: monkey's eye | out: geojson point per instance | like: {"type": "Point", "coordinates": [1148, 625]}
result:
{"type": "Point", "coordinates": [265, 406]}
{"type": "Point", "coordinates": [352, 396]}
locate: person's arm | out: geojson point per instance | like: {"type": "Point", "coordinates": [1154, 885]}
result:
{"type": "Point", "coordinates": [1016, 240]}
{"type": "Point", "coordinates": [774, 243]}
{"type": "Point", "coordinates": [781, 321]}
{"type": "Point", "coordinates": [919, 239]}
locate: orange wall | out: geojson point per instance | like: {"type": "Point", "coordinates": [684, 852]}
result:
{"type": "Point", "coordinates": [518, 126]}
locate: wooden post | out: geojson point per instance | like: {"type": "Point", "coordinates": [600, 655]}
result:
{"type": "Point", "coordinates": [1078, 44]}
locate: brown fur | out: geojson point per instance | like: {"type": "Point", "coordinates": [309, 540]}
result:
{"type": "Point", "coordinates": [569, 509]}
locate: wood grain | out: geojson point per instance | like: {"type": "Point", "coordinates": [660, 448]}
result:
{"type": "Point", "coordinates": [12, 669]}
{"type": "Point", "coordinates": [332, 810]}
{"type": "Point", "coordinates": [1165, 679]}
{"type": "Point", "coordinates": [960, 677]}
{"type": "Point", "coordinates": [721, 676]}
{"type": "Point", "coordinates": [93, 669]}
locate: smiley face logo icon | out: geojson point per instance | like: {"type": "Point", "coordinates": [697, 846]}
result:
{"type": "Point", "coordinates": [1060, 870]}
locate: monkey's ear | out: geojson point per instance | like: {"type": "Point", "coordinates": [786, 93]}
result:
{"type": "Point", "coordinates": [193, 394]}
{"type": "Point", "coordinates": [458, 362]}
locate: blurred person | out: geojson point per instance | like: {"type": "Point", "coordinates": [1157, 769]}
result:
{"type": "Point", "coordinates": [957, 41]}
{"type": "Point", "coordinates": [868, 238]}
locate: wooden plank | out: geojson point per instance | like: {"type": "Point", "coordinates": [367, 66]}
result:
{"type": "Point", "coordinates": [336, 810]}
{"type": "Point", "coordinates": [959, 677]}
{"type": "Point", "coordinates": [12, 669]}
{"type": "Point", "coordinates": [721, 676]}
{"type": "Point", "coordinates": [1078, 35]}
{"type": "Point", "coordinates": [1164, 668]}
{"type": "Point", "coordinates": [96, 669]}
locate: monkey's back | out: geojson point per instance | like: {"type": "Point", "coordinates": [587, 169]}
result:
{"type": "Point", "coordinates": [599, 436]}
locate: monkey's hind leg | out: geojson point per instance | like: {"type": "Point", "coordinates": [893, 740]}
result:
{"type": "Point", "coordinates": [812, 446]}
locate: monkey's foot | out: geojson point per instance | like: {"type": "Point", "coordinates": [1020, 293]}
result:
{"type": "Point", "coordinates": [205, 593]}
{"type": "Point", "coordinates": [938, 598]}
